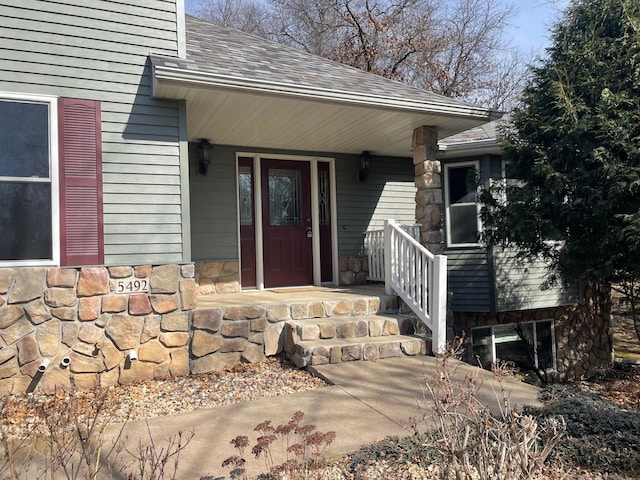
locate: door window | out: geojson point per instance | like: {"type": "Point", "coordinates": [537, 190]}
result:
{"type": "Point", "coordinates": [284, 197]}
{"type": "Point", "coordinates": [245, 188]}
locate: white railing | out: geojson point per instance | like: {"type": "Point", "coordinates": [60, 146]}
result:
{"type": "Point", "coordinates": [374, 246]}
{"type": "Point", "coordinates": [418, 277]}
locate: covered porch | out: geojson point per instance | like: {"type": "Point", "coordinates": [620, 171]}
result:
{"type": "Point", "coordinates": [350, 146]}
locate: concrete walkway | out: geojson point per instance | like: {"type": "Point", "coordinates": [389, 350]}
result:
{"type": "Point", "coordinates": [366, 402]}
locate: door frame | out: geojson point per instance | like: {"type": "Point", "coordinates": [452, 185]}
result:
{"type": "Point", "coordinates": [315, 214]}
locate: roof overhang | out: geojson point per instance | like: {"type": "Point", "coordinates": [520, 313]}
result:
{"type": "Point", "coordinates": [489, 146]}
{"type": "Point", "coordinates": [260, 114]}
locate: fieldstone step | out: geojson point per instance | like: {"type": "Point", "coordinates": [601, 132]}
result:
{"type": "Point", "coordinates": [336, 350]}
{"type": "Point", "coordinates": [328, 328]}
{"type": "Point", "coordinates": [347, 338]}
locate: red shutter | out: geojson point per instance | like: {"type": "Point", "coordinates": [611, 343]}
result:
{"type": "Point", "coordinates": [81, 223]}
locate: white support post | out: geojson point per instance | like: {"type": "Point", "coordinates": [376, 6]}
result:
{"type": "Point", "coordinates": [439, 305]}
{"type": "Point", "coordinates": [387, 257]}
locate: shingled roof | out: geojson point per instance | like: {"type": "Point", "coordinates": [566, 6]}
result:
{"type": "Point", "coordinates": [218, 50]}
{"type": "Point", "coordinates": [227, 69]}
{"type": "Point", "coordinates": [480, 139]}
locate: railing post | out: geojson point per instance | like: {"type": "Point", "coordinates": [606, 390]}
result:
{"type": "Point", "coordinates": [439, 304]}
{"type": "Point", "coordinates": [387, 257]}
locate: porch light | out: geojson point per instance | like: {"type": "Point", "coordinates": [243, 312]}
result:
{"type": "Point", "coordinates": [365, 165]}
{"type": "Point", "coordinates": [206, 151]}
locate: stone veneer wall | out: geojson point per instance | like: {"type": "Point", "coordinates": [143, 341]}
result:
{"type": "Point", "coordinates": [353, 270]}
{"type": "Point", "coordinates": [53, 313]}
{"type": "Point", "coordinates": [217, 277]}
{"type": "Point", "coordinates": [583, 341]}
{"type": "Point", "coordinates": [224, 277]}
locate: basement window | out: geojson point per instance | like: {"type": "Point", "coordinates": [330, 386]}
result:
{"type": "Point", "coordinates": [530, 345]}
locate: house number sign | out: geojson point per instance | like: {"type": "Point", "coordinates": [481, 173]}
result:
{"type": "Point", "coordinates": [131, 285]}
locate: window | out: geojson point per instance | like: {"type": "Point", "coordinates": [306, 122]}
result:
{"type": "Point", "coordinates": [506, 343]}
{"type": "Point", "coordinates": [50, 181]}
{"type": "Point", "coordinates": [28, 180]}
{"type": "Point", "coordinates": [462, 219]}
{"type": "Point", "coordinates": [245, 193]}
{"type": "Point", "coordinates": [284, 197]}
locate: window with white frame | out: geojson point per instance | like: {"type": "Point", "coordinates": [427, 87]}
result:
{"type": "Point", "coordinates": [528, 344]}
{"type": "Point", "coordinates": [28, 180]}
{"type": "Point", "coordinates": [461, 204]}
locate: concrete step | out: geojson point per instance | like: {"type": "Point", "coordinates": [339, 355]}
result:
{"type": "Point", "coordinates": [336, 350]}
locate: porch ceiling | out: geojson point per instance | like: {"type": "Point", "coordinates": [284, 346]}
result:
{"type": "Point", "coordinates": [228, 117]}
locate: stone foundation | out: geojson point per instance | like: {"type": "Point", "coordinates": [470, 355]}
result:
{"type": "Point", "coordinates": [224, 276]}
{"type": "Point", "coordinates": [353, 270]}
{"type": "Point", "coordinates": [217, 277]}
{"type": "Point", "coordinates": [583, 341]}
{"type": "Point", "coordinates": [92, 317]}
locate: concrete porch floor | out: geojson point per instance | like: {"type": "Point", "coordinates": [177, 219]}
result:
{"type": "Point", "coordinates": [289, 295]}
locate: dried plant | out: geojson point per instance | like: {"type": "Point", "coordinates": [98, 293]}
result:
{"type": "Point", "coordinates": [302, 445]}
{"type": "Point", "coordinates": [477, 443]}
{"type": "Point", "coordinates": [74, 432]}
{"type": "Point", "coordinates": [155, 462]}
{"type": "Point", "coordinates": [16, 449]}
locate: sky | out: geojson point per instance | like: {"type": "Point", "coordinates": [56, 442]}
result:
{"type": "Point", "coordinates": [529, 29]}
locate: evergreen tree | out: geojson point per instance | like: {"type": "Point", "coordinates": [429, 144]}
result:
{"type": "Point", "coordinates": [575, 143]}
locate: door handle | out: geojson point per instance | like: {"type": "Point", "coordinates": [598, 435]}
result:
{"type": "Point", "coordinates": [309, 232]}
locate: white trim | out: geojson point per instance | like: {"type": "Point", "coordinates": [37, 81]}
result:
{"type": "Point", "coordinates": [181, 29]}
{"type": "Point", "coordinates": [447, 166]}
{"type": "Point", "coordinates": [185, 184]}
{"type": "Point", "coordinates": [475, 147]}
{"type": "Point", "coordinates": [52, 102]}
{"type": "Point", "coordinates": [315, 213]}
{"type": "Point", "coordinates": [257, 220]}
{"type": "Point", "coordinates": [315, 223]}
{"type": "Point", "coordinates": [335, 262]}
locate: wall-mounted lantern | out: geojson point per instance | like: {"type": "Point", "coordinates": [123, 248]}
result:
{"type": "Point", "coordinates": [365, 165]}
{"type": "Point", "coordinates": [206, 154]}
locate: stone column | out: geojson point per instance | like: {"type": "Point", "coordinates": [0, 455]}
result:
{"type": "Point", "coordinates": [428, 181]}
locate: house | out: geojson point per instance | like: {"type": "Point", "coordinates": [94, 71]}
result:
{"type": "Point", "coordinates": [150, 159]}
{"type": "Point", "coordinates": [496, 298]}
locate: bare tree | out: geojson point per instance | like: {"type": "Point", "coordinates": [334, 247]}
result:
{"type": "Point", "coordinates": [452, 47]}
{"type": "Point", "coordinates": [246, 15]}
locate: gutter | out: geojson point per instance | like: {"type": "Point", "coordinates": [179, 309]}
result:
{"type": "Point", "coordinates": [179, 77]}
{"type": "Point", "coordinates": [459, 149]}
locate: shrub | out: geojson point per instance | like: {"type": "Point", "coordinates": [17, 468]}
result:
{"type": "Point", "coordinates": [601, 435]}
{"type": "Point", "coordinates": [475, 442]}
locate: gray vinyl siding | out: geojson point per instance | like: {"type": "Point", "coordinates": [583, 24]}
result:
{"type": "Point", "coordinates": [470, 276]}
{"type": "Point", "coordinates": [214, 206]}
{"type": "Point", "coordinates": [520, 284]}
{"type": "Point", "coordinates": [97, 50]}
{"type": "Point", "coordinates": [469, 280]}
{"type": "Point", "coordinates": [387, 193]}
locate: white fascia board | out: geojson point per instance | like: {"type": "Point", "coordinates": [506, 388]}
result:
{"type": "Point", "coordinates": [185, 79]}
{"type": "Point", "coordinates": [453, 150]}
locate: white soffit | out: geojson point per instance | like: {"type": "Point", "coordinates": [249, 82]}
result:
{"type": "Point", "coordinates": [231, 117]}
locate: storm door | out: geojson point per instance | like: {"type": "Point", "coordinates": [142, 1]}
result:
{"type": "Point", "coordinates": [286, 223]}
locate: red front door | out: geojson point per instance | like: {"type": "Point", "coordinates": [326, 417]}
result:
{"type": "Point", "coordinates": [286, 222]}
